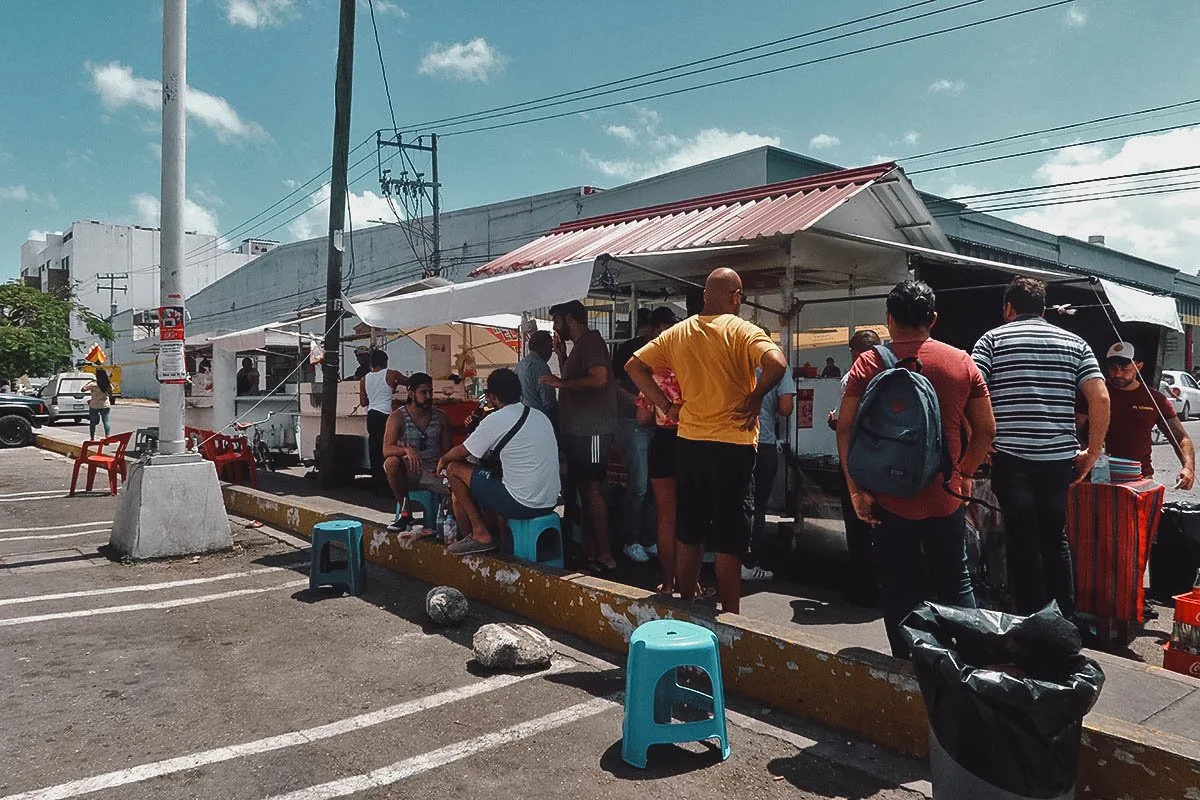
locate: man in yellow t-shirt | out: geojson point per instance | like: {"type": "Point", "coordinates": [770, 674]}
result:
{"type": "Point", "coordinates": [714, 357]}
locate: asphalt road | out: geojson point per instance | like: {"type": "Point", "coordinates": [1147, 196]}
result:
{"type": "Point", "coordinates": [223, 677]}
{"type": "Point", "coordinates": [124, 416]}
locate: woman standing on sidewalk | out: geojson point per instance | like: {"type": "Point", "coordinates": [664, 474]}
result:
{"type": "Point", "coordinates": [100, 402]}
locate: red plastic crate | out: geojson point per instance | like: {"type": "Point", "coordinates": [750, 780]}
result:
{"type": "Point", "coordinates": [1187, 608]}
{"type": "Point", "coordinates": [1181, 661]}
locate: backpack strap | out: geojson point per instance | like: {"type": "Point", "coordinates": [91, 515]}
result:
{"type": "Point", "coordinates": [886, 356]}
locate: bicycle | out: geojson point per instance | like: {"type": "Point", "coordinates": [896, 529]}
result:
{"type": "Point", "coordinates": [263, 458]}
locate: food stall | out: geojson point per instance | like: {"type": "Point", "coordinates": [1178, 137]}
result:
{"type": "Point", "coordinates": [458, 356]}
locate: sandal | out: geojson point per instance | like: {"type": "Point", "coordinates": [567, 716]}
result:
{"type": "Point", "coordinates": [600, 569]}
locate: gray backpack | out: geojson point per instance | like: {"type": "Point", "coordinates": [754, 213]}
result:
{"type": "Point", "coordinates": [897, 445]}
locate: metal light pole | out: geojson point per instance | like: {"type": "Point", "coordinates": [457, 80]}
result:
{"type": "Point", "coordinates": [172, 504]}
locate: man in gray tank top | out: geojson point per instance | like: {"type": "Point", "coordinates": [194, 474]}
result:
{"type": "Point", "coordinates": [417, 435]}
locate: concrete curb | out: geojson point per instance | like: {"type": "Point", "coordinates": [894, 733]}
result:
{"type": "Point", "coordinates": [869, 695]}
{"type": "Point", "coordinates": [60, 446]}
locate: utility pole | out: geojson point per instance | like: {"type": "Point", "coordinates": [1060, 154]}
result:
{"type": "Point", "coordinates": [112, 289]}
{"type": "Point", "coordinates": [172, 505]}
{"type": "Point", "coordinates": [331, 368]}
{"type": "Point", "coordinates": [416, 187]}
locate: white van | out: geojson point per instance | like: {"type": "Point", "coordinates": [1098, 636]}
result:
{"type": "Point", "coordinates": [65, 397]}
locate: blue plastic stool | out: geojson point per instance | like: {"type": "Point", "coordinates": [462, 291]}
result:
{"type": "Point", "coordinates": [430, 503]}
{"type": "Point", "coordinates": [656, 650]}
{"type": "Point", "coordinates": [526, 533]}
{"type": "Point", "coordinates": [324, 571]}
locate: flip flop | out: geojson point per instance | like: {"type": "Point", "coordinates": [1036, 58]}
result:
{"type": "Point", "coordinates": [600, 569]}
{"type": "Point", "coordinates": [466, 547]}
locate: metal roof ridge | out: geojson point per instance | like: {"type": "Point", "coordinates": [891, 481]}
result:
{"type": "Point", "coordinates": [761, 192]}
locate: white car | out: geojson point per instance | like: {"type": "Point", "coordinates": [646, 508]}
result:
{"type": "Point", "coordinates": [1183, 392]}
{"type": "Point", "coordinates": [66, 399]}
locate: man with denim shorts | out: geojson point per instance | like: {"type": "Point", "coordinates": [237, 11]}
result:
{"type": "Point", "coordinates": [527, 486]}
{"type": "Point", "coordinates": [714, 356]}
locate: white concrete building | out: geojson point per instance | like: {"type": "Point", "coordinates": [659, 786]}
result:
{"type": "Point", "coordinates": [79, 257]}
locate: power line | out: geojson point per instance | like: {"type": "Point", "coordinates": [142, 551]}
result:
{"type": "Point", "coordinates": [762, 73]}
{"type": "Point", "coordinates": [1042, 187]}
{"type": "Point", "coordinates": [1137, 191]}
{"type": "Point", "coordinates": [594, 91]}
{"type": "Point", "coordinates": [1052, 148]}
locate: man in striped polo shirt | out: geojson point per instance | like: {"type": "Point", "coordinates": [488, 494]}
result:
{"type": "Point", "coordinates": [1034, 370]}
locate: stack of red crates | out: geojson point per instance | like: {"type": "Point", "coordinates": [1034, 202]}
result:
{"type": "Point", "coordinates": [1182, 653]}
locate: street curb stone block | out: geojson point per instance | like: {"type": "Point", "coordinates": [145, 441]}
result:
{"type": "Point", "coordinates": [501, 645]}
{"type": "Point", "coordinates": [446, 605]}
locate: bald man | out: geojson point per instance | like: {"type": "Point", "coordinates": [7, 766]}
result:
{"type": "Point", "coordinates": [714, 356]}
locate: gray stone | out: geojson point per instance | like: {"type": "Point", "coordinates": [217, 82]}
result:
{"type": "Point", "coordinates": [171, 507]}
{"type": "Point", "coordinates": [504, 646]}
{"type": "Point", "coordinates": [446, 605]}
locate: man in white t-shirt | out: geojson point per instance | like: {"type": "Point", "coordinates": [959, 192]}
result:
{"type": "Point", "coordinates": [528, 457]}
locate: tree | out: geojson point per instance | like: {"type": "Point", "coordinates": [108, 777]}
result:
{"type": "Point", "coordinates": [35, 330]}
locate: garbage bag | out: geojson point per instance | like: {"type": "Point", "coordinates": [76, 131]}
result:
{"type": "Point", "coordinates": [1175, 556]}
{"type": "Point", "coordinates": [1006, 695]}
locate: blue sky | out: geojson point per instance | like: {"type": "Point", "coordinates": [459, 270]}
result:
{"type": "Point", "coordinates": [79, 134]}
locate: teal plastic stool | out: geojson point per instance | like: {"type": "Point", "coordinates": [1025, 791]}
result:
{"type": "Point", "coordinates": [324, 571]}
{"type": "Point", "coordinates": [430, 503]}
{"type": "Point", "coordinates": [656, 650]}
{"type": "Point", "coordinates": [527, 533]}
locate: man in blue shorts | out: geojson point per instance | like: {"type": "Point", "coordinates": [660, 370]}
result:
{"type": "Point", "coordinates": [516, 476]}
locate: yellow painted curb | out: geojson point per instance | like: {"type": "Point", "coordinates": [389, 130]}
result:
{"type": "Point", "coordinates": [869, 695]}
{"type": "Point", "coordinates": [60, 446]}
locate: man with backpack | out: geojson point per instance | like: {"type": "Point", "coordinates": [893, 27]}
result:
{"type": "Point", "coordinates": [900, 438]}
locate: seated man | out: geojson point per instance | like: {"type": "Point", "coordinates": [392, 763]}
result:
{"type": "Point", "coordinates": [517, 473]}
{"type": "Point", "coordinates": [416, 436]}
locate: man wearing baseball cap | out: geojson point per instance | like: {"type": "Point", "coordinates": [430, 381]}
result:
{"type": "Point", "coordinates": [1135, 410]}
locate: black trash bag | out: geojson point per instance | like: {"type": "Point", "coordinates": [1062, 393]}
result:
{"type": "Point", "coordinates": [1006, 695]}
{"type": "Point", "coordinates": [1175, 556]}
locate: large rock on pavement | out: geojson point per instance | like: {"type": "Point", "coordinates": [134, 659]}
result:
{"type": "Point", "coordinates": [446, 605]}
{"type": "Point", "coordinates": [505, 646]}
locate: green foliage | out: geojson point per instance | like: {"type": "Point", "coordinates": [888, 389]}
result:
{"type": "Point", "coordinates": [35, 331]}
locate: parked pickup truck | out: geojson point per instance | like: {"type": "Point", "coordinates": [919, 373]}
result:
{"type": "Point", "coordinates": [19, 415]}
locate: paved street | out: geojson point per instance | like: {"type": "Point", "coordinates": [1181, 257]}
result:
{"type": "Point", "coordinates": [125, 416]}
{"type": "Point", "coordinates": [223, 677]}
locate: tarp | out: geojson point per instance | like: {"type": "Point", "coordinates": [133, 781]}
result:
{"type": "Point", "coordinates": [1134, 305]}
{"type": "Point", "coordinates": [493, 341]}
{"type": "Point", "coordinates": [519, 291]}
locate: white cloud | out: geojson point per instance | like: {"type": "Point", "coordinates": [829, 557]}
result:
{"type": "Point", "coordinates": [291, 183]}
{"type": "Point", "coordinates": [947, 85]}
{"type": "Point", "coordinates": [1076, 17]}
{"type": "Point", "coordinates": [20, 193]}
{"type": "Point", "coordinates": [40, 236]}
{"type": "Point", "coordinates": [259, 13]}
{"type": "Point", "coordinates": [678, 153]}
{"type": "Point", "coordinates": [823, 141]}
{"type": "Point", "coordinates": [475, 60]}
{"type": "Point", "coordinates": [118, 87]}
{"type": "Point", "coordinates": [315, 221]}
{"type": "Point", "coordinates": [1163, 227]}
{"type": "Point", "coordinates": [911, 138]}
{"type": "Point", "coordinates": [624, 133]}
{"type": "Point", "coordinates": [195, 216]}
{"type": "Point", "coordinates": [384, 7]}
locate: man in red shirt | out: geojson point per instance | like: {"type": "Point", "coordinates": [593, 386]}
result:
{"type": "Point", "coordinates": [1136, 410]}
{"type": "Point", "coordinates": [925, 533]}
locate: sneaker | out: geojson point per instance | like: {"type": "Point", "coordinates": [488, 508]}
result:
{"type": "Point", "coordinates": [402, 522]}
{"type": "Point", "coordinates": [651, 551]}
{"type": "Point", "coordinates": [635, 552]}
{"type": "Point", "coordinates": [756, 574]}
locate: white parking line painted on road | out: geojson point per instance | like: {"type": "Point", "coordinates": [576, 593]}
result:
{"type": "Point", "coordinates": [61, 494]}
{"type": "Point", "coordinates": [183, 601]}
{"type": "Point", "coordinates": [52, 535]}
{"type": "Point", "coordinates": [393, 773]}
{"type": "Point", "coordinates": [156, 769]}
{"type": "Point", "coordinates": [144, 587]}
{"type": "Point", "coordinates": [58, 527]}
{"type": "Point", "coordinates": [19, 495]}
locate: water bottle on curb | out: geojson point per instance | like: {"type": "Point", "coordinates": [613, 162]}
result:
{"type": "Point", "coordinates": [440, 525]}
{"type": "Point", "coordinates": [450, 530]}
{"type": "Point", "coordinates": [1101, 473]}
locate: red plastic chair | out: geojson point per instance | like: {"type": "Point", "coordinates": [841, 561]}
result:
{"type": "Point", "coordinates": [233, 458]}
{"type": "Point", "coordinates": [113, 464]}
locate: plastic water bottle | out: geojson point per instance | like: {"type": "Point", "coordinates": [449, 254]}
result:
{"type": "Point", "coordinates": [1101, 473]}
{"type": "Point", "coordinates": [450, 530]}
{"type": "Point", "coordinates": [440, 524]}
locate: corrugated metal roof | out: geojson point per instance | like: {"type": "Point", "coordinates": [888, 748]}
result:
{"type": "Point", "coordinates": [778, 209]}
